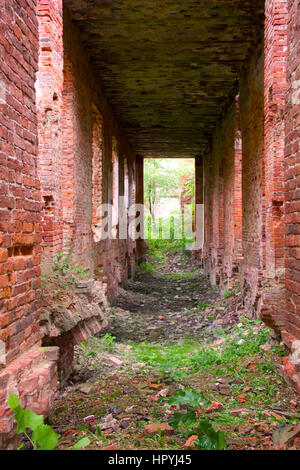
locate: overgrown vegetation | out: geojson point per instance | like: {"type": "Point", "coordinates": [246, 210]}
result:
{"type": "Point", "coordinates": [188, 423]}
{"type": "Point", "coordinates": [62, 278]}
{"type": "Point", "coordinates": [216, 387]}
{"type": "Point", "coordinates": [41, 436]}
{"type": "Point", "coordinates": [169, 203]}
{"type": "Point", "coordinates": [177, 359]}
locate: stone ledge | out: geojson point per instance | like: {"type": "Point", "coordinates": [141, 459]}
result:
{"type": "Point", "coordinates": [88, 302]}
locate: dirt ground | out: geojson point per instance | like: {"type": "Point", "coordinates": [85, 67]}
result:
{"type": "Point", "coordinates": [164, 339]}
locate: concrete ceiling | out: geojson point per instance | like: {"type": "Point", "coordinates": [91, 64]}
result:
{"type": "Point", "coordinates": [169, 67]}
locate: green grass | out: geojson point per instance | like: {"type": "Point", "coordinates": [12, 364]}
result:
{"type": "Point", "coordinates": [147, 267]}
{"type": "Point", "coordinates": [202, 306]}
{"type": "Point", "coordinates": [172, 359]}
{"type": "Point", "coordinates": [180, 275]}
{"type": "Point", "coordinates": [181, 359]}
{"type": "Point", "coordinates": [231, 352]}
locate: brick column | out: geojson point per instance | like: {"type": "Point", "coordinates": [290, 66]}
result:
{"type": "Point", "coordinates": [49, 86]}
{"type": "Point", "coordinates": [68, 163]}
{"type": "Point", "coordinates": [199, 200]}
{"type": "Point", "coordinates": [292, 173]}
{"type": "Point", "coordinates": [251, 111]}
{"type": "Point", "coordinates": [272, 308]}
{"type": "Point", "coordinates": [139, 199]}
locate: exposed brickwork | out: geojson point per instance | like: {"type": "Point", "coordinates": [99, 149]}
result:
{"type": "Point", "coordinates": [63, 152]}
{"type": "Point", "coordinates": [19, 186]}
{"type": "Point", "coordinates": [222, 176]}
{"type": "Point", "coordinates": [81, 176]}
{"type": "Point", "coordinates": [291, 318]}
{"type": "Point", "coordinates": [292, 153]}
{"type": "Point", "coordinates": [49, 106]}
{"type": "Point", "coordinates": [75, 124]}
{"type": "Point", "coordinates": [272, 307]}
{"type": "Point", "coordinates": [33, 377]}
{"type": "Point", "coordinates": [251, 103]}
{"type": "Point", "coordinates": [30, 370]}
{"type": "Point", "coordinates": [97, 167]}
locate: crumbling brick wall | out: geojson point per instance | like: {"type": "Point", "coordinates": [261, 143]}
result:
{"type": "Point", "coordinates": [222, 189]}
{"type": "Point", "coordinates": [251, 111]}
{"type": "Point", "coordinates": [292, 128]}
{"type": "Point", "coordinates": [28, 370]}
{"type": "Point", "coordinates": [272, 306]}
{"type": "Point", "coordinates": [81, 177]}
{"type": "Point", "coordinates": [264, 217]}
{"type": "Point", "coordinates": [49, 81]}
{"type": "Point", "coordinates": [20, 196]}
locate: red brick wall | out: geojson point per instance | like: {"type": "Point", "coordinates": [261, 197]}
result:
{"type": "Point", "coordinates": [78, 152]}
{"type": "Point", "coordinates": [75, 150]}
{"type": "Point", "coordinates": [30, 371]}
{"type": "Point", "coordinates": [222, 189]}
{"type": "Point", "coordinates": [213, 203]}
{"type": "Point", "coordinates": [97, 164]}
{"type": "Point", "coordinates": [238, 213]}
{"type": "Point", "coordinates": [292, 156]}
{"type": "Point", "coordinates": [19, 185]}
{"type": "Point", "coordinates": [67, 161]}
{"type": "Point", "coordinates": [251, 102]}
{"type": "Point", "coordinates": [272, 306]}
{"type": "Point", "coordinates": [232, 199]}
{"type": "Point", "coordinates": [49, 104]}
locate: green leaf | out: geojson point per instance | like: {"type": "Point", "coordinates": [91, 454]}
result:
{"type": "Point", "coordinates": [32, 420]}
{"type": "Point", "coordinates": [185, 419]}
{"type": "Point", "coordinates": [84, 442]}
{"type": "Point", "coordinates": [187, 396]}
{"type": "Point", "coordinates": [44, 437]}
{"type": "Point", "coordinates": [13, 401]}
{"type": "Point", "coordinates": [208, 438]}
{"type": "Point", "coordinates": [19, 413]}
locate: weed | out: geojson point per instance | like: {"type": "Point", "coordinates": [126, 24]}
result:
{"type": "Point", "coordinates": [108, 342]}
{"type": "Point", "coordinates": [172, 359]}
{"type": "Point", "coordinates": [40, 435]}
{"type": "Point", "coordinates": [208, 438]}
{"type": "Point", "coordinates": [232, 351]}
{"type": "Point", "coordinates": [146, 267]}
{"type": "Point", "coordinates": [202, 306]}
{"type": "Point", "coordinates": [180, 275]}
{"type": "Point", "coordinates": [228, 293]}
{"type": "Point", "coordinates": [86, 352]}
{"type": "Point", "coordinates": [97, 435]}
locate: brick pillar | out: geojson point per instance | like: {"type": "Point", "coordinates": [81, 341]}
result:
{"type": "Point", "coordinates": [272, 308]}
{"type": "Point", "coordinates": [223, 201]}
{"type": "Point", "coordinates": [97, 169]}
{"type": "Point", "coordinates": [214, 211]}
{"type": "Point", "coordinates": [68, 163]}
{"type": "Point", "coordinates": [231, 151]}
{"type": "Point", "coordinates": [251, 111]}
{"type": "Point", "coordinates": [49, 109]}
{"type": "Point", "coordinates": [131, 169]}
{"type": "Point", "coordinates": [292, 186]}
{"type": "Point", "coordinates": [238, 251]}
{"type": "Point", "coordinates": [139, 199]}
{"type": "Point", "coordinates": [199, 196]}
{"type": "Point", "coordinates": [220, 227]}
{"type": "Point", "coordinates": [199, 200]}
{"type": "Point", "coordinates": [207, 174]}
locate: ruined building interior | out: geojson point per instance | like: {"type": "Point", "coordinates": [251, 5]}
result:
{"type": "Point", "coordinates": [88, 90]}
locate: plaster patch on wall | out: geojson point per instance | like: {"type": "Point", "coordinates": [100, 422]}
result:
{"type": "Point", "coordinates": [2, 92]}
